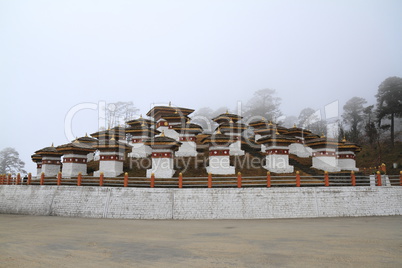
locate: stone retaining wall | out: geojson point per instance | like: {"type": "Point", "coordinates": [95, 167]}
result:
{"type": "Point", "coordinates": [215, 203]}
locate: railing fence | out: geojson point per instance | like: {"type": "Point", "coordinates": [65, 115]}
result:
{"type": "Point", "coordinates": [239, 181]}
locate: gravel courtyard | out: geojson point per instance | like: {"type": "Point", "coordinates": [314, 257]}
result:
{"type": "Point", "coordinates": [43, 241]}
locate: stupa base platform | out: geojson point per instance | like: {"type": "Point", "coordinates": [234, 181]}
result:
{"type": "Point", "coordinates": [221, 170]}
{"type": "Point", "coordinates": [288, 169]}
{"type": "Point", "coordinates": [140, 151]}
{"type": "Point", "coordinates": [326, 164]}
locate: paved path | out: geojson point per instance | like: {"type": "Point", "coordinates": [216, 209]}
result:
{"type": "Point", "coordinates": [40, 241]}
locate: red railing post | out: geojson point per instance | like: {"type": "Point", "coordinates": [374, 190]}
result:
{"type": "Point", "coordinates": [59, 178]}
{"type": "Point", "coordinates": [353, 178]}
{"type": "Point", "coordinates": [400, 178]}
{"type": "Point", "coordinates": [42, 178]}
{"type": "Point", "coordinates": [1, 178]}
{"type": "Point", "coordinates": [180, 180]}
{"type": "Point", "coordinates": [18, 179]}
{"type": "Point", "coordinates": [125, 179]}
{"type": "Point", "coordinates": [379, 183]}
{"type": "Point", "coordinates": [297, 179]}
{"type": "Point", "coordinates": [101, 179]}
{"type": "Point", "coordinates": [9, 179]}
{"type": "Point", "coordinates": [29, 178]}
{"type": "Point", "coordinates": [79, 179]}
{"type": "Point", "coordinates": [326, 178]}
{"type": "Point", "coordinates": [210, 180]}
{"type": "Point", "coordinates": [268, 179]}
{"type": "Point", "coordinates": [239, 179]}
{"type": "Point", "coordinates": [152, 180]}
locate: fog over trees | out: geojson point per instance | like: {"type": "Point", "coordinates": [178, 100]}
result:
{"type": "Point", "coordinates": [357, 121]}
{"type": "Point", "coordinates": [10, 162]}
{"type": "Point", "coordinates": [353, 114]}
{"type": "Point", "coordinates": [389, 103]}
{"type": "Point", "coordinates": [264, 103]}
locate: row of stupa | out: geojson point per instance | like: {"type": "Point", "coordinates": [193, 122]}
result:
{"type": "Point", "coordinates": [169, 133]}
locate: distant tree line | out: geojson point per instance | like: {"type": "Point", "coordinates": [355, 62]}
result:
{"type": "Point", "coordinates": [360, 123]}
{"type": "Point", "coordinates": [369, 124]}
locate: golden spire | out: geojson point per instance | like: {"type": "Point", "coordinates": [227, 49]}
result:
{"type": "Point", "coordinates": [276, 131]}
{"type": "Point", "coordinates": [344, 139]}
{"type": "Point", "coordinates": [227, 112]}
{"type": "Point", "coordinates": [188, 120]}
{"type": "Point", "coordinates": [162, 134]}
{"type": "Point", "coordinates": [294, 125]}
{"type": "Point", "coordinates": [218, 131]}
{"type": "Point", "coordinates": [170, 103]}
{"type": "Point", "coordinates": [231, 121]}
{"type": "Point", "coordinates": [263, 118]}
{"type": "Point", "coordinates": [112, 139]}
{"type": "Point", "coordinates": [270, 123]}
{"type": "Point", "coordinates": [140, 116]}
{"type": "Point", "coordinates": [143, 124]}
{"type": "Point", "coordinates": [86, 134]}
{"type": "Point", "coordinates": [52, 144]}
{"type": "Point", "coordinates": [322, 135]}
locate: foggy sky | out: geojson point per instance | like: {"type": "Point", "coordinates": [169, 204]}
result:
{"type": "Point", "coordinates": [55, 55]}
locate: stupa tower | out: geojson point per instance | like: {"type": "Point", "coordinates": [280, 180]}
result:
{"type": "Point", "coordinates": [346, 155]}
{"type": "Point", "coordinates": [229, 125]}
{"type": "Point", "coordinates": [112, 148]}
{"type": "Point", "coordinates": [50, 160]}
{"type": "Point", "coordinates": [168, 116]}
{"type": "Point", "coordinates": [38, 160]}
{"type": "Point", "coordinates": [324, 153]}
{"type": "Point", "coordinates": [163, 149]}
{"type": "Point", "coordinates": [277, 152]}
{"type": "Point", "coordinates": [88, 141]}
{"type": "Point", "coordinates": [263, 127]}
{"type": "Point", "coordinates": [75, 158]}
{"type": "Point", "coordinates": [299, 148]}
{"type": "Point", "coordinates": [219, 153]}
{"type": "Point", "coordinates": [140, 130]}
{"type": "Point", "coordinates": [187, 136]}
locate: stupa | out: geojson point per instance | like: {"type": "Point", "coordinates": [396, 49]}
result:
{"type": "Point", "coordinates": [38, 160]}
{"type": "Point", "coordinates": [139, 130]}
{"type": "Point", "coordinates": [299, 148]}
{"type": "Point", "coordinates": [263, 127]}
{"type": "Point", "coordinates": [229, 125]}
{"type": "Point", "coordinates": [219, 153]}
{"type": "Point", "coordinates": [50, 160]}
{"type": "Point", "coordinates": [187, 136]}
{"type": "Point", "coordinates": [168, 116]}
{"type": "Point", "coordinates": [117, 133]}
{"type": "Point", "coordinates": [88, 141]}
{"type": "Point", "coordinates": [75, 158]}
{"type": "Point", "coordinates": [111, 156]}
{"type": "Point", "coordinates": [346, 155]}
{"type": "Point", "coordinates": [324, 153]}
{"type": "Point", "coordinates": [163, 149]}
{"type": "Point", "coordinates": [277, 152]}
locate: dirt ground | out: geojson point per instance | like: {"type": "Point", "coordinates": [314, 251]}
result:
{"type": "Point", "coordinates": [40, 241]}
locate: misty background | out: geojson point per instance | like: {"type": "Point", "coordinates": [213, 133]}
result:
{"type": "Point", "coordinates": [55, 55]}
